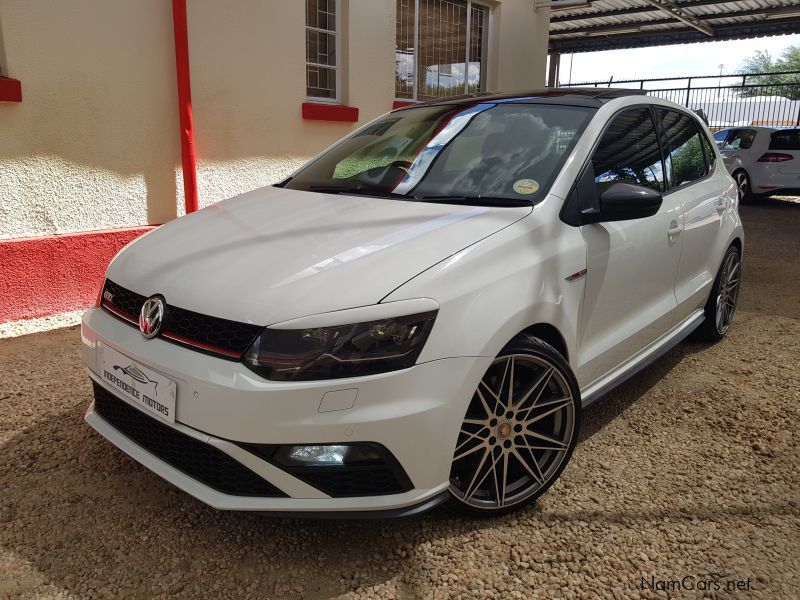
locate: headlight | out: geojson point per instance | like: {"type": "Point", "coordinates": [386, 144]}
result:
{"type": "Point", "coordinates": [341, 351]}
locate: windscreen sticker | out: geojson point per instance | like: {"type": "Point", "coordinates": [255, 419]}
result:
{"type": "Point", "coordinates": [526, 186]}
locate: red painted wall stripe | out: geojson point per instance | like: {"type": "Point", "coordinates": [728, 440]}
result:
{"type": "Point", "coordinates": [402, 103]}
{"type": "Point", "coordinates": [10, 90]}
{"type": "Point", "coordinates": [320, 111]}
{"type": "Point", "coordinates": [54, 274]}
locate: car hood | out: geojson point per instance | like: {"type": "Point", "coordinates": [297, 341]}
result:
{"type": "Point", "coordinates": [276, 254]}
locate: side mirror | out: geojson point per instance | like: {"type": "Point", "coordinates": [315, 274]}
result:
{"type": "Point", "coordinates": [625, 201]}
{"type": "Point", "coordinates": [618, 202]}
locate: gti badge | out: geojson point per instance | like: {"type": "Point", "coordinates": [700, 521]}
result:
{"type": "Point", "coordinates": [151, 316]}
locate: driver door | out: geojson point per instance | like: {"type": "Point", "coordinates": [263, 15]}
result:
{"type": "Point", "coordinates": [629, 299]}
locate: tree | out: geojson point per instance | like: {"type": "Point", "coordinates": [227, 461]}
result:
{"type": "Point", "coordinates": [773, 85]}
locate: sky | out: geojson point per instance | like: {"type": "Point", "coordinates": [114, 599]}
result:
{"type": "Point", "coordinates": [669, 61]}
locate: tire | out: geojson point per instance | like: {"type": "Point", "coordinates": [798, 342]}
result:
{"type": "Point", "coordinates": [518, 433]}
{"type": "Point", "coordinates": [743, 187]}
{"type": "Point", "coordinates": [724, 296]}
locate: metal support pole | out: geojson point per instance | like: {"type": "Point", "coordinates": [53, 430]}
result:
{"type": "Point", "coordinates": [552, 75]}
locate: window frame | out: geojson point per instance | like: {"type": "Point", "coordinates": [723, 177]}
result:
{"type": "Point", "coordinates": [566, 214]}
{"type": "Point", "coordinates": [337, 34]}
{"type": "Point", "coordinates": [654, 119]}
{"type": "Point", "coordinates": [468, 39]}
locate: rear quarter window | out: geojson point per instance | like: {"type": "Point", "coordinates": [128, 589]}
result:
{"type": "Point", "coordinates": [785, 140]}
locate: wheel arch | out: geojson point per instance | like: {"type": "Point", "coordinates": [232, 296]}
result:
{"type": "Point", "coordinates": [550, 335]}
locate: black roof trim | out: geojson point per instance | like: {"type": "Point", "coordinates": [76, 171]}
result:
{"type": "Point", "coordinates": [591, 97]}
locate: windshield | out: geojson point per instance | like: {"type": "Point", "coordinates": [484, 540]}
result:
{"type": "Point", "coordinates": [503, 154]}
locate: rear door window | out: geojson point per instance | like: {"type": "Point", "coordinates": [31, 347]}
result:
{"type": "Point", "coordinates": [740, 139]}
{"type": "Point", "coordinates": [683, 148]}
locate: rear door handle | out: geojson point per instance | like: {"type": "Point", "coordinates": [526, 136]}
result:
{"type": "Point", "coordinates": [721, 205]}
{"type": "Point", "coordinates": [674, 229]}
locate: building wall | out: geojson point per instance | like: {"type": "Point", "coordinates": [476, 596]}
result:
{"type": "Point", "coordinates": [94, 144]}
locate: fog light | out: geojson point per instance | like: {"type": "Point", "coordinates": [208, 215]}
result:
{"type": "Point", "coordinates": [327, 455]}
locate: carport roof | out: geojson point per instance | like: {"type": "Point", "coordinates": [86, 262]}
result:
{"type": "Point", "coordinates": [593, 25]}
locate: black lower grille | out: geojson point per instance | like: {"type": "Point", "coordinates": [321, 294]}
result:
{"type": "Point", "coordinates": [200, 461]}
{"type": "Point", "coordinates": [343, 482]}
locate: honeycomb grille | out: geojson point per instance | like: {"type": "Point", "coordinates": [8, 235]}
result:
{"type": "Point", "coordinates": [200, 461]}
{"type": "Point", "coordinates": [210, 335]}
{"type": "Point", "coordinates": [351, 481]}
{"type": "Point", "coordinates": [218, 336]}
{"type": "Point", "coordinates": [124, 301]}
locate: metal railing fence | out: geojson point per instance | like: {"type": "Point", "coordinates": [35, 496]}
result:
{"type": "Point", "coordinates": [770, 99]}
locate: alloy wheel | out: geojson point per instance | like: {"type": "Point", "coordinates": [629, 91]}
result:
{"type": "Point", "coordinates": [728, 294]}
{"type": "Point", "coordinates": [517, 434]}
{"type": "Point", "coordinates": [742, 185]}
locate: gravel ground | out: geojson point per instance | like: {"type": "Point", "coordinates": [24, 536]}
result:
{"type": "Point", "coordinates": [689, 469]}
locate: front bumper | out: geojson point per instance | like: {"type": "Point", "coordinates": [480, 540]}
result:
{"type": "Point", "coordinates": [415, 414]}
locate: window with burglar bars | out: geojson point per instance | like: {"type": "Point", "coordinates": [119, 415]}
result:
{"type": "Point", "coordinates": [440, 48]}
{"type": "Point", "coordinates": [322, 40]}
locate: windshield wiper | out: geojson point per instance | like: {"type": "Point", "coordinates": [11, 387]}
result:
{"type": "Point", "coordinates": [444, 199]}
{"type": "Point", "coordinates": [475, 200]}
{"type": "Point", "coordinates": [355, 191]}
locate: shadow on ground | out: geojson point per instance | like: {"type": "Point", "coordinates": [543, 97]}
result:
{"type": "Point", "coordinates": [78, 509]}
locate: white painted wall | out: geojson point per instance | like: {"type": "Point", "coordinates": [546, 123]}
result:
{"type": "Point", "coordinates": [94, 144]}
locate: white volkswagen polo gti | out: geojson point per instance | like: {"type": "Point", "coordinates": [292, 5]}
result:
{"type": "Point", "coordinates": [420, 313]}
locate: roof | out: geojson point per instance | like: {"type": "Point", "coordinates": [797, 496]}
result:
{"type": "Point", "coordinates": [614, 24]}
{"type": "Point", "coordinates": [576, 96]}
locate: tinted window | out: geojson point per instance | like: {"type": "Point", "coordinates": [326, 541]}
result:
{"type": "Point", "coordinates": [721, 136]}
{"type": "Point", "coordinates": [682, 148]}
{"type": "Point", "coordinates": [629, 152]}
{"type": "Point", "coordinates": [483, 151]}
{"type": "Point", "coordinates": [788, 139]}
{"type": "Point", "coordinates": [740, 139]}
{"type": "Point", "coordinates": [708, 149]}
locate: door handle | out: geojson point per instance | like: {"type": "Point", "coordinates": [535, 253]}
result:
{"type": "Point", "coordinates": [721, 205]}
{"type": "Point", "coordinates": [674, 229]}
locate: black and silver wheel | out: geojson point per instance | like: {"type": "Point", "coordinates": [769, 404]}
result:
{"type": "Point", "coordinates": [519, 431]}
{"type": "Point", "coordinates": [724, 297]}
{"type": "Point", "coordinates": [743, 189]}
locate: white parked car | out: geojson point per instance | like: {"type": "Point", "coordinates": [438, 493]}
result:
{"type": "Point", "coordinates": [420, 313]}
{"type": "Point", "coordinates": [762, 160]}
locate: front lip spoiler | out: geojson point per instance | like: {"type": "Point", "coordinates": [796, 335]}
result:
{"type": "Point", "coordinates": [363, 515]}
{"type": "Point", "coordinates": [307, 507]}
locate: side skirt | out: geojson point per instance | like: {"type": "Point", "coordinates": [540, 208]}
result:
{"type": "Point", "coordinates": [631, 367]}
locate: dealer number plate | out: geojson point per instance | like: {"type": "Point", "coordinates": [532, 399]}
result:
{"type": "Point", "coordinates": [144, 387]}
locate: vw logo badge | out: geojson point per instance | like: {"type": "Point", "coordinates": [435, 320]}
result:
{"type": "Point", "coordinates": [151, 316]}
